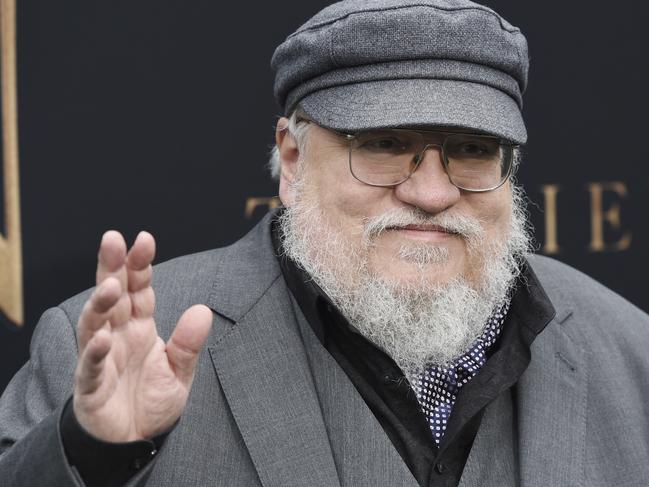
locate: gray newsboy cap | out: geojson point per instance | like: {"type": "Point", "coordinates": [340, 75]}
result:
{"type": "Point", "coordinates": [361, 64]}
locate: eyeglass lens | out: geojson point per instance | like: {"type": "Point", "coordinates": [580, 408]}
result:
{"type": "Point", "coordinates": [389, 157]}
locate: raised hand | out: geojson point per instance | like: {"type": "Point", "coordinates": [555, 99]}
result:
{"type": "Point", "coordinates": [129, 383]}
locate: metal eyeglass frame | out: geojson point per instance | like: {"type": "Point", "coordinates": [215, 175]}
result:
{"type": "Point", "coordinates": [351, 137]}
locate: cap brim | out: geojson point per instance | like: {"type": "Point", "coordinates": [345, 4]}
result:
{"type": "Point", "coordinates": [417, 102]}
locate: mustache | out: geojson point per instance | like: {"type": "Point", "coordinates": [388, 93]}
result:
{"type": "Point", "coordinates": [465, 226]}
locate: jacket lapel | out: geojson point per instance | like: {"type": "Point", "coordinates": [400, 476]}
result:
{"type": "Point", "coordinates": [534, 434]}
{"type": "Point", "coordinates": [548, 408]}
{"type": "Point", "coordinates": [552, 400]}
{"type": "Point", "coordinates": [262, 366]}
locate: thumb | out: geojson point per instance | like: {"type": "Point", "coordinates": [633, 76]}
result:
{"type": "Point", "coordinates": [187, 340]}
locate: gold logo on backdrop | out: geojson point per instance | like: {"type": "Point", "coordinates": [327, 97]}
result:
{"type": "Point", "coordinates": [551, 244]}
{"type": "Point", "coordinates": [269, 203]}
{"type": "Point", "coordinates": [611, 216]}
{"type": "Point", "coordinates": [11, 282]}
{"type": "Point", "coordinates": [601, 218]}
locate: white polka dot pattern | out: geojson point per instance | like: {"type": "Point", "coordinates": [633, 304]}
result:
{"type": "Point", "coordinates": [437, 387]}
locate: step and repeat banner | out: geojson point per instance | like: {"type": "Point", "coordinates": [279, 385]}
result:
{"type": "Point", "coordinates": [159, 115]}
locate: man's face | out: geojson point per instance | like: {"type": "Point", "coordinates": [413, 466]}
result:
{"type": "Point", "coordinates": [404, 252]}
{"type": "Point", "coordinates": [418, 268]}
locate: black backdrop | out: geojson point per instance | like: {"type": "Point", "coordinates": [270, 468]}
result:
{"type": "Point", "coordinates": [159, 115]}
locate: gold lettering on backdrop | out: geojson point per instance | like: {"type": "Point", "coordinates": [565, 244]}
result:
{"type": "Point", "coordinates": [11, 286]}
{"type": "Point", "coordinates": [551, 244]}
{"type": "Point", "coordinates": [255, 202]}
{"type": "Point", "coordinates": [610, 216]}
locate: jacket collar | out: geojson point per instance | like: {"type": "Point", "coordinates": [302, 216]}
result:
{"type": "Point", "coordinates": [250, 266]}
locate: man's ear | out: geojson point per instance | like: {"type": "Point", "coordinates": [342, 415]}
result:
{"type": "Point", "coordinates": [289, 155]}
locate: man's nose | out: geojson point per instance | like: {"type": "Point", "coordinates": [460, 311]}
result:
{"type": "Point", "coordinates": [429, 188]}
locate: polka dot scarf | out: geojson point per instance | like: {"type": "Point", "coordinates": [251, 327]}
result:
{"type": "Point", "coordinates": [437, 387]}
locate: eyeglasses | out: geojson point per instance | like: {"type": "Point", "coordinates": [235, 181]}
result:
{"type": "Point", "coordinates": [476, 163]}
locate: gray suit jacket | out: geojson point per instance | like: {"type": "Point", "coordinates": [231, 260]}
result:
{"type": "Point", "coordinates": [271, 407]}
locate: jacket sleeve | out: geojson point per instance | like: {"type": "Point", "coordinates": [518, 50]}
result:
{"type": "Point", "coordinates": [31, 450]}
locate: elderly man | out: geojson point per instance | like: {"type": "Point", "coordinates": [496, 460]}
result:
{"type": "Point", "coordinates": [386, 327]}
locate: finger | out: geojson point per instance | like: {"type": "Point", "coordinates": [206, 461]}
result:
{"type": "Point", "coordinates": [143, 303]}
{"type": "Point", "coordinates": [112, 257]}
{"type": "Point", "coordinates": [97, 309]}
{"type": "Point", "coordinates": [187, 340]}
{"type": "Point", "coordinates": [92, 363]}
{"type": "Point", "coordinates": [138, 262]}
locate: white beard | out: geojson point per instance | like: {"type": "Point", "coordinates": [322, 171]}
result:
{"type": "Point", "coordinates": [418, 323]}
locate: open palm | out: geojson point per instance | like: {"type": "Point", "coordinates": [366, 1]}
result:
{"type": "Point", "coordinates": [129, 383]}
